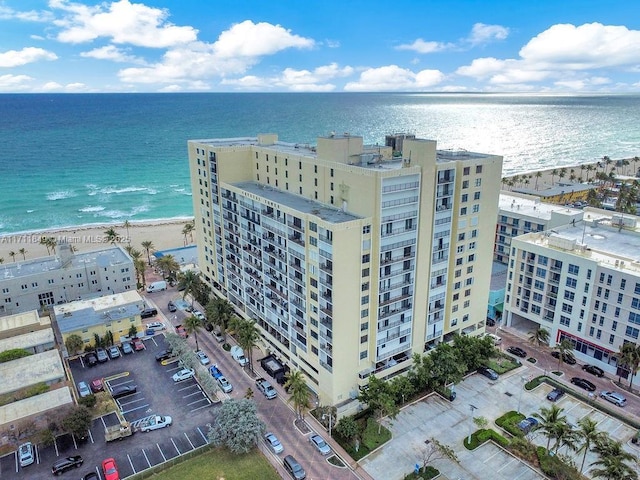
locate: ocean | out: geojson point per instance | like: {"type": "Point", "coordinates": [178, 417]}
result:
{"type": "Point", "coordinates": [68, 160]}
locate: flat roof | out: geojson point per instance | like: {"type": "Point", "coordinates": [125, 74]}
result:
{"type": "Point", "coordinates": [298, 203]}
{"type": "Point", "coordinates": [83, 314]}
{"type": "Point", "coordinates": [29, 319]}
{"type": "Point", "coordinates": [28, 340]}
{"type": "Point", "coordinates": [27, 371]}
{"type": "Point", "coordinates": [182, 255]}
{"type": "Point", "coordinates": [554, 191]}
{"type": "Point", "coordinates": [34, 405]}
{"type": "Point", "coordinates": [103, 257]}
{"type": "Point", "coordinates": [531, 206]}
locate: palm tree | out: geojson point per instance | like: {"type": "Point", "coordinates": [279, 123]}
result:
{"type": "Point", "coordinates": [296, 385]}
{"type": "Point", "coordinates": [220, 311]}
{"type": "Point", "coordinates": [538, 175]}
{"type": "Point", "coordinates": [148, 246]}
{"type": "Point", "coordinates": [629, 360]}
{"type": "Point", "coordinates": [1, 260]}
{"type": "Point", "coordinates": [45, 241]}
{"type": "Point", "coordinates": [168, 266]}
{"type": "Point", "coordinates": [539, 337]}
{"type": "Point", "coordinates": [127, 225]}
{"type": "Point", "coordinates": [188, 230]}
{"type": "Point", "coordinates": [191, 325]}
{"type": "Point", "coordinates": [111, 235]}
{"type": "Point", "coordinates": [589, 435]}
{"type": "Point", "coordinates": [23, 252]}
{"type": "Point", "coordinates": [563, 173]}
{"type": "Point", "coordinates": [139, 265]}
{"type": "Point", "coordinates": [550, 418]}
{"type": "Point", "coordinates": [590, 168]}
{"type": "Point", "coordinates": [554, 172]}
{"type": "Point", "coordinates": [12, 254]}
{"type": "Point", "coordinates": [565, 435]}
{"type": "Point", "coordinates": [563, 348]}
{"type": "Point", "coordinates": [187, 283]}
{"type": "Point", "coordinates": [247, 335]}
{"type": "Point", "coordinates": [52, 244]}
{"type": "Point", "coordinates": [612, 462]}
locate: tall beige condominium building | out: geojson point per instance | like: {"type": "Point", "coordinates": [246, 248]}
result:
{"type": "Point", "coordinates": [350, 258]}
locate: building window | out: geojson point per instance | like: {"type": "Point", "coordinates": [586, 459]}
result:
{"type": "Point", "coordinates": [478, 182]}
{"type": "Point", "coordinates": [365, 272]}
{"type": "Point", "coordinates": [363, 355]}
{"type": "Point", "coordinates": [465, 197]}
{"type": "Point", "coordinates": [574, 269]}
{"type": "Point", "coordinates": [476, 196]}
{"type": "Point", "coordinates": [478, 169]}
{"type": "Point", "coordinates": [463, 211]}
{"type": "Point", "coordinates": [465, 184]}
{"type": "Point", "coordinates": [466, 171]}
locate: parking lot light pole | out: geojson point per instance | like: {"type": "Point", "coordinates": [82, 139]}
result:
{"type": "Point", "coordinates": [324, 415]}
{"type": "Point", "coordinates": [473, 408]}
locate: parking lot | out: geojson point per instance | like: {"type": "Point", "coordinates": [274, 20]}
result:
{"type": "Point", "coordinates": [156, 393]}
{"type": "Point", "coordinates": [450, 422]}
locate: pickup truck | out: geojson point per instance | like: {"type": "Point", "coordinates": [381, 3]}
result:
{"type": "Point", "coordinates": [266, 388]}
{"type": "Point", "coordinates": [118, 432]}
{"type": "Point", "coordinates": [152, 422]}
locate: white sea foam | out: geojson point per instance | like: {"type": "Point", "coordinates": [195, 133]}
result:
{"type": "Point", "coordinates": [61, 195]}
{"type": "Point", "coordinates": [91, 209]}
{"type": "Point", "coordinates": [30, 211]}
{"type": "Point", "coordinates": [95, 190]}
{"type": "Point", "coordinates": [122, 214]}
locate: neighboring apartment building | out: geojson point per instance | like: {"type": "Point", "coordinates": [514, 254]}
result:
{"type": "Point", "coordinates": [520, 214]}
{"type": "Point", "coordinates": [34, 334]}
{"type": "Point", "coordinates": [115, 313]}
{"type": "Point", "coordinates": [581, 282]}
{"type": "Point", "coordinates": [350, 258]}
{"type": "Point", "coordinates": [42, 282]}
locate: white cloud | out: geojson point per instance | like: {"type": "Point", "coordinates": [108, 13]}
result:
{"type": "Point", "coordinates": [171, 88]}
{"type": "Point", "coordinates": [481, 34]}
{"type": "Point", "coordinates": [14, 83]}
{"type": "Point", "coordinates": [7, 13]}
{"type": "Point", "coordinates": [248, 39]}
{"type": "Point", "coordinates": [113, 53]}
{"type": "Point", "coordinates": [16, 58]}
{"type": "Point", "coordinates": [121, 22]}
{"type": "Point", "coordinates": [420, 46]}
{"type": "Point", "coordinates": [51, 87]}
{"type": "Point", "coordinates": [394, 78]}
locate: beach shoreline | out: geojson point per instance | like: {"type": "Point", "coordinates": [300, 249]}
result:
{"type": "Point", "coordinates": [164, 234]}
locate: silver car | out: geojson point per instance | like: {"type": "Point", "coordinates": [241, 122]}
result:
{"type": "Point", "coordinates": [83, 389]}
{"type": "Point", "coordinates": [318, 442]}
{"type": "Point", "coordinates": [273, 442]}
{"type": "Point", "coordinates": [614, 397]}
{"type": "Point", "coordinates": [25, 454]}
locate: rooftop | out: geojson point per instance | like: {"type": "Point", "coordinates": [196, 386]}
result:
{"type": "Point", "coordinates": [298, 203]}
{"type": "Point", "coordinates": [34, 405]}
{"type": "Point", "coordinates": [28, 340]}
{"type": "Point", "coordinates": [560, 189]}
{"type": "Point", "coordinates": [24, 320]}
{"type": "Point", "coordinates": [27, 371]}
{"type": "Point", "coordinates": [531, 206]}
{"type": "Point", "coordinates": [83, 314]}
{"type": "Point", "coordinates": [103, 257]}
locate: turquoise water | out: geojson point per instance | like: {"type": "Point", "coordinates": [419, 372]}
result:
{"type": "Point", "coordinates": [99, 158]}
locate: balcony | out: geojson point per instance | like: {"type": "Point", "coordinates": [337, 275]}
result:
{"type": "Point", "coordinates": [295, 226]}
{"type": "Point", "coordinates": [394, 299]}
{"type": "Point", "coordinates": [297, 239]}
{"type": "Point", "coordinates": [399, 258]}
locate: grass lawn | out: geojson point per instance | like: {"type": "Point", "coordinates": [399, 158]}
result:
{"type": "Point", "coordinates": [217, 464]}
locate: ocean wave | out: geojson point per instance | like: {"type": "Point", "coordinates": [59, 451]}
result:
{"type": "Point", "coordinates": [91, 209]}
{"type": "Point", "coordinates": [30, 211]}
{"type": "Point", "coordinates": [95, 190]}
{"type": "Point", "coordinates": [61, 195]}
{"type": "Point", "coordinates": [115, 214]}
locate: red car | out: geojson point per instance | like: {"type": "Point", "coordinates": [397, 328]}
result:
{"type": "Point", "coordinates": [97, 385]}
{"type": "Point", "coordinates": [180, 330]}
{"type": "Point", "coordinates": [110, 470]}
{"type": "Point", "coordinates": [138, 344]}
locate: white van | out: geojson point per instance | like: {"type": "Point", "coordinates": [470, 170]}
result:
{"type": "Point", "coordinates": [157, 286]}
{"type": "Point", "coordinates": [238, 355]}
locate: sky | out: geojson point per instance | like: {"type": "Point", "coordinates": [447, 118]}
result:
{"type": "Point", "coordinates": [535, 46]}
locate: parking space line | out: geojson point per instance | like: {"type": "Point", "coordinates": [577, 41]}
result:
{"type": "Point", "coordinates": [55, 445]}
{"type": "Point", "coordinates": [146, 458]}
{"type": "Point", "coordinates": [199, 392]}
{"type": "Point", "coordinates": [131, 463]}
{"type": "Point", "coordinates": [174, 446]}
{"type": "Point", "coordinates": [102, 420]}
{"type": "Point", "coordinates": [73, 437]}
{"type": "Point", "coordinates": [161, 453]}
{"type": "Point", "coordinates": [15, 456]}
{"type": "Point", "coordinates": [198, 401]}
{"type": "Point", "coordinates": [190, 387]}
{"type": "Point", "coordinates": [134, 409]}
{"type": "Point", "coordinates": [200, 408]}
{"type": "Point", "coordinates": [491, 456]}
{"type": "Point", "coordinates": [189, 440]}
{"type": "Point", "coordinates": [91, 436]}
{"type": "Point", "coordinates": [511, 460]}
{"type": "Point", "coordinates": [203, 435]}
{"type": "Point", "coordinates": [37, 454]}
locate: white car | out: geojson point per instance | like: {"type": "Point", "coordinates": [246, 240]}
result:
{"type": "Point", "coordinates": [25, 454]}
{"type": "Point", "coordinates": [183, 374]}
{"type": "Point", "coordinates": [496, 339]}
{"type": "Point", "coordinates": [202, 357]}
{"type": "Point", "coordinates": [199, 315]}
{"type": "Point", "coordinates": [224, 384]}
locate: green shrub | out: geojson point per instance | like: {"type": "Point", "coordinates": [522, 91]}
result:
{"type": "Point", "coordinates": [424, 473]}
{"type": "Point", "coordinates": [480, 436]}
{"type": "Point", "coordinates": [13, 354]}
{"type": "Point", "coordinates": [553, 467]}
{"type": "Point", "coordinates": [530, 385]}
{"type": "Point", "coordinates": [89, 401]}
{"type": "Point", "coordinates": [509, 422]}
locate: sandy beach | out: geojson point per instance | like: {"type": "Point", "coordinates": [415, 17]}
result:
{"type": "Point", "coordinates": [163, 234]}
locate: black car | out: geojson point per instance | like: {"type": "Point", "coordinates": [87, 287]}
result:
{"type": "Point", "coordinates": [172, 307]}
{"type": "Point", "coordinates": [164, 355]}
{"type": "Point", "coordinates": [566, 357]}
{"type": "Point", "coordinates": [555, 394]}
{"type": "Point", "coordinates": [592, 369]}
{"type": "Point", "coordinates": [491, 322]}
{"type": "Point", "coordinates": [148, 313]}
{"type": "Point", "coordinates": [488, 372]}
{"type": "Point", "coordinates": [65, 464]}
{"type": "Point", "coordinates": [123, 391]}
{"type": "Point", "coordinates": [101, 354]}
{"type": "Point", "coordinates": [582, 383]}
{"type": "Point", "coordinates": [91, 360]}
{"type": "Point", "coordinates": [517, 351]}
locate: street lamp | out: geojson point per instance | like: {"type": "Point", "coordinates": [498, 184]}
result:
{"type": "Point", "coordinates": [324, 415]}
{"type": "Point", "coordinates": [524, 380]}
{"type": "Point", "coordinates": [473, 408]}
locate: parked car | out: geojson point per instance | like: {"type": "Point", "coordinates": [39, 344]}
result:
{"type": "Point", "coordinates": [555, 394]}
{"type": "Point", "coordinates": [614, 397]}
{"type": "Point", "coordinates": [488, 372]}
{"type": "Point", "coordinates": [114, 352]}
{"type": "Point", "coordinates": [593, 370]}
{"type": "Point", "coordinates": [164, 355]}
{"type": "Point", "coordinates": [273, 443]}
{"type": "Point", "coordinates": [528, 424]}
{"type": "Point", "coordinates": [155, 326]}
{"type": "Point", "coordinates": [91, 476]}
{"type": "Point", "coordinates": [66, 463]}
{"type": "Point", "coordinates": [225, 385]}
{"type": "Point", "coordinates": [566, 357]}
{"type": "Point", "coordinates": [110, 469]}
{"type": "Point", "coordinates": [292, 466]}
{"type": "Point", "coordinates": [97, 385]}
{"type": "Point", "coordinates": [217, 334]}
{"type": "Point", "coordinates": [83, 389]}
{"type": "Point", "coordinates": [517, 351]}
{"type": "Point", "coordinates": [127, 348]}
{"type": "Point", "coordinates": [202, 357]}
{"type": "Point", "coordinates": [148, 313]}
{"type": "Point", "coordinates": [209, 327]}
{"type": "Point", "coordinates": [138, 344]}
{"type": "Point", "coordinates": [123, 390]}
{"type": "Point", "coordinates": [582, 383]}
{"type": "Point", "coordinates": [25, 454]}
{"type": "Point", "coordinates": [491, 322]}
{"type": "Point", "coordinates": [101, 355]}
{"type": "Point", "coordinates": [172, 307]}
{"type": "Point", "coordinates": [90, 359]}
{"type": "Point", "coordinates": [318, 442]}
{"type": "Point", "coordinates": [199, 315]}
{"type": "Point", "coordinates": [496, 339]}
{"type": "Point", "coordinates": [181, 331]}
{"type": "Point", "coordinates": [183, 374]}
